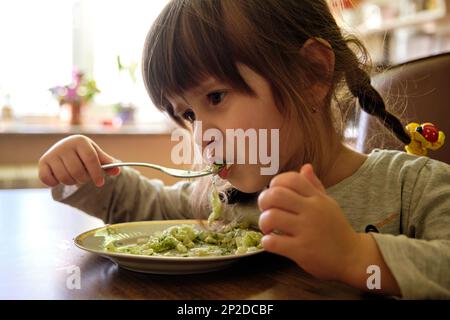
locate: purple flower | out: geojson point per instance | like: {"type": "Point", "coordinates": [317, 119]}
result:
{"type": "Point", "coordinates": [79, 90]}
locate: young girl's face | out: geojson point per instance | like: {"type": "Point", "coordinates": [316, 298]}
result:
{"type": "Point", "coordinates": [218, 106]}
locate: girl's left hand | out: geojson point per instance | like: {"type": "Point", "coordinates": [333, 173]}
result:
{"type": "Point", "coordinates": [300, 221]}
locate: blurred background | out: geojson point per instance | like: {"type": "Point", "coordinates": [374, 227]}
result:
{"type": "Point", "coordinates": [73, 66]}
{"type": "Point", "coordinates": [399, 31]}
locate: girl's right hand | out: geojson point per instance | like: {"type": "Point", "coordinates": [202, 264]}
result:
{"type": "Point", "coordinates": [75, 160]}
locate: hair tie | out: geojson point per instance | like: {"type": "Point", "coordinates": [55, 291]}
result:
{"type": "Point", "coordinates": [423, 137]}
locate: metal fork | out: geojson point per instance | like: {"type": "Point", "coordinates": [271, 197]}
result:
{"type": "Point", "coordinates": [170, 171]}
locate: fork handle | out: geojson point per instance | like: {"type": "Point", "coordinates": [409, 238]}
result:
{"type": "Point", "coordinates": [170, 171]}
{"type": "Point", "coordinates": [124, 164]}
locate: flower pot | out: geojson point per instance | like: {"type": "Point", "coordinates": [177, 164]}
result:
{"type": "Point", "coordinates": [71, 113]}
{"type": "Point", "coordinates": [75, 113]}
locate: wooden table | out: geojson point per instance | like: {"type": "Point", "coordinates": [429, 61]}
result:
{"type": "Point", "coordinates": [37, 257]}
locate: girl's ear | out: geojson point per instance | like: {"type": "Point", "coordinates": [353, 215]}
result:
{"type": "Point", "coordinates": [320, 55]}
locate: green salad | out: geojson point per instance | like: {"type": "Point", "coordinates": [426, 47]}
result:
{"type": "Point", "coordinates": [216, 204]}
{"type": "Point", "coordinates": [191, 240]}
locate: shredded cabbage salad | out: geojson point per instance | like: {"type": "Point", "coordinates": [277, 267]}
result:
{"type": "Point", "coordinates": [190, 241]}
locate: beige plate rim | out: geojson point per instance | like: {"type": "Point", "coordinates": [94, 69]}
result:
{"type": "Point", "coordinates": [79, 239]}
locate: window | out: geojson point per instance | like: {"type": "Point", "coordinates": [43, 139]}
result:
{"type": "Point", "coordinates": [42, 40]}
{"type": "Point", "coordinates": [119, 29]}
{"type": "Point", "coordinates": [36, 52]}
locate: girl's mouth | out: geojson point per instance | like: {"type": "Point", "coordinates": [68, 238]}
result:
{"type": "Point", "coordinates": [224, 171]}
{"type": "Point", "coordinates": [221, 169]}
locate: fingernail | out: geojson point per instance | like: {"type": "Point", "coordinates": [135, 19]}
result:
{"type": "Point", "coordinates": [264, 240]}
{"type": "Point", "coordinates": [263, 215]}
{"type": "Point", "coordinates": [303, 168]}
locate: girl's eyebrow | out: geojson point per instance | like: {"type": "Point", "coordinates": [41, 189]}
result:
{"type": "Point", "coordinates": [205, 85]}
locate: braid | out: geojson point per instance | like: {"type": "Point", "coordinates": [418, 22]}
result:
{"type": "Point", "coordinates": [371, 102]}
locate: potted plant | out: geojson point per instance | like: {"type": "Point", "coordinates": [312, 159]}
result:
{"type": "Point", "coordinates": [76, 95]}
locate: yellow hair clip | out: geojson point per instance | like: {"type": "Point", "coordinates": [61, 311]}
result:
{"type": "Point", "coordinates": [423, 137]}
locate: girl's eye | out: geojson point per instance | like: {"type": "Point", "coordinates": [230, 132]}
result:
{"type": "Point", "coordinates": [189, 115]}
{"type": "Point", "coordinates": [216, 97]}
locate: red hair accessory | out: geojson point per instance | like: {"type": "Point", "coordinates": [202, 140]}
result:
{"type": "Point", "coordinates": [423, 137]}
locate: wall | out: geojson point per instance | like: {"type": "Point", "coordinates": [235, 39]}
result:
{"type": "Point", "coordinates": [24, 151]}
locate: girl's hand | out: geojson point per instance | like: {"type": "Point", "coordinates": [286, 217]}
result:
{"type": "Point", "coordinates": [74, 160]}
{"type": "Point", "coordinates": [300, 221]}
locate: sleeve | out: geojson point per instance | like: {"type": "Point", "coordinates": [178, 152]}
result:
{"type": "Point", "coordinates": [420, 259]}
{"type": "Point", "coordinates": [129, 197]}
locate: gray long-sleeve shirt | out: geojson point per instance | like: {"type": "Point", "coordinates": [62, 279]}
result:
{"type": "Point", "coordinates": [407, 198]}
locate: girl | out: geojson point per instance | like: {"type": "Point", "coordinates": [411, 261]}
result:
{"type": "Point", "coordinates": [280, 64]}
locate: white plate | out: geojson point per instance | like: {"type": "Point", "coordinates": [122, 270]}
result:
{"type": "Point", "coordinates": [154, 264]}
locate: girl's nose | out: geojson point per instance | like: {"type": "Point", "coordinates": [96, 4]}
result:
{"type": "Point", "coordinates": [204, 133]}
{"type": "Point", "coordinates": [210, 140]}
{"type": "Point", "coordinates": [198, 134]}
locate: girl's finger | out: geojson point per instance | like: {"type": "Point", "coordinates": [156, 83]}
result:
{"type": "Point", "coordinates": [280, 221]}
{"type": "Point", "coordinates": [60, 172]}
{"type": "Point", "coordinates": [308, 171]}
{"type": "Point", "coordinates": [295, 182]}
{"type": "Point", "coordinates": [281, 198]}
{"type": "Point", "coordinates": [68, 170]}
{"type": "Point", "coordinates": [113, 171]}
{"type": "Point", "coordinates": [106, 159]}
{"type": "Point", "coordinates": [88, 156]}
{"type": "Point", "coordinates": [46, 175]}
{"type": "Point", "coordinates": [280, 244]}
{"type": "Point", "coordinates": [75, 167]}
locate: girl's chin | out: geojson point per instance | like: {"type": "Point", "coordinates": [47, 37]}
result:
{"type": "Point", "coordinates": [245, 180]}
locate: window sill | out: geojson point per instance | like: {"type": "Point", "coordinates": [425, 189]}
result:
{"type": "Point", "coordinates": [15, 128]}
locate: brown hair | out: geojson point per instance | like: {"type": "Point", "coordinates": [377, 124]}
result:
{"type": "Point", "coordinates": [194, 39]}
